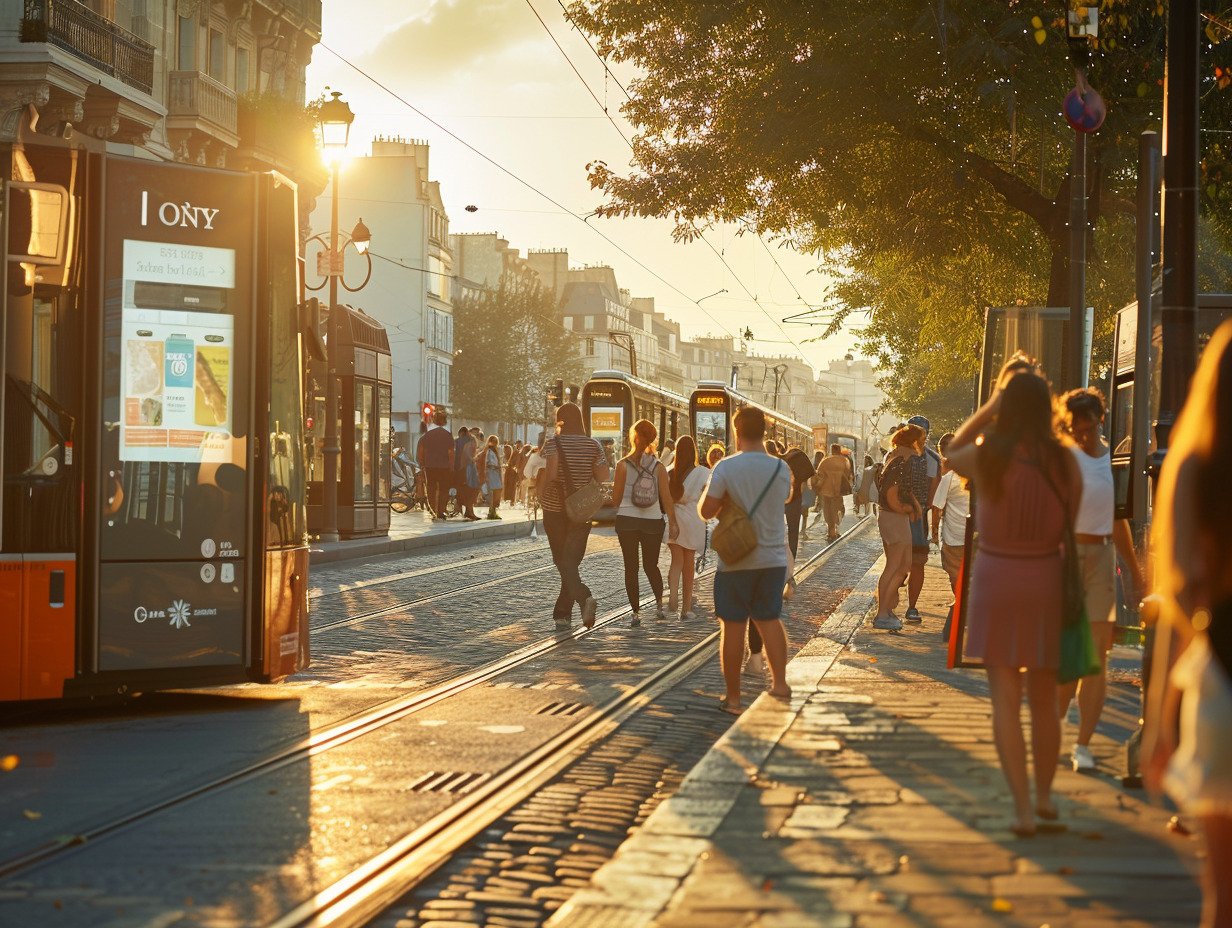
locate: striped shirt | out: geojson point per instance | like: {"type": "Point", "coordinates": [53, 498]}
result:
{"type": "Point", "coordinates": [582, 453]}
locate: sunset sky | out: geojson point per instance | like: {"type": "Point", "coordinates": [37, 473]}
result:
{"type": "Point", "coordinates": [487, 71]}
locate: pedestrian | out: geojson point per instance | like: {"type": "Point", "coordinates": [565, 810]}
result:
{"type": "Point", "coordinates": [715, 454]}
{"type": "Point", "coordinates": [865, 497]}
{"type": "Point", "coordinates": [953, 501]}
{"type": "Point", "coordinates": [1188, 737]}
{"type": "Point", "coordinates": [925, 475]}
{"type": "Point", "coordinates": [1100, 537]}
{"type": "Point", "coordinates": [510, 488]}
{"type": "Point", "coordinates": [899, 508]}
{"type": "Point", "coordinates": [491, 472]}
{"type": "Point", "coordinates": [481, 491]}
{"type": "Point", "coordinates": [751, 588]}
{"type": "Point", "coordinates": [833, 475]}
{"type": "Point", "coordinates": [571, 460]}
{"type": "Point", "coordinates": [1027, 484]}
{"type": "Point", "coordinates": [466, 476]}
{"type": "Point", "coordinates": [669, 453]}
{"type": "Point", "coordinates": [530, 474]}
{"type": "Point", "coordinates": [686, 481]}
{"type": "Point", "coordinates": [643, 497]}
{"type": "Point", "coordinates": [808, 496]}
{"type": "Point", "coordinates": [435, 454]}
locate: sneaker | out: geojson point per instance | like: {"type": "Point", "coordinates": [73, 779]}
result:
{"type": "Point", "coordinates": [659, 613]}
{"type": "Point", "coordinates": [913, 615]}
{"type": "Point", "coordinates": [636, 620]}
{"type": "Point", "coordinates": [889, 623]}
{"type": "Point", "coordinates": [588, 611]}
{"type": "Point", "coordinates": [1082, 759]}
{"type": "Point", "coordinates": [690, 615]}
{"type": "Point", "coordinates": [755, 664]}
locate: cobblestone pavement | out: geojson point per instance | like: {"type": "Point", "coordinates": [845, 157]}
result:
{"type": "Point", "coordinates": [243, 855]}
{"type": "Point", "coordinates": [524, 867]}
{"type": "Point", "coordinates": [874, 800]}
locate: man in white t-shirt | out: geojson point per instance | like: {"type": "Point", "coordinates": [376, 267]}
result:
{"type": "Point", "coordinates": [951, 502]}
{"type": "Point", "coordinates": [751, 588]}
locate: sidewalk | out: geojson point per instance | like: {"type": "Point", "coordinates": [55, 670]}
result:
{"type": "Point", "coordinates": [409, 531]}
{"type": "Point", "coordinates": [875, 801]}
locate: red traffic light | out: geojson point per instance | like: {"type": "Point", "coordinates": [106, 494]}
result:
{"type": "Point", "coordinates": [427, 410]}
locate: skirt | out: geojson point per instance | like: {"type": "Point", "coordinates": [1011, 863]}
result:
{"type": "Point", "coordinates": [1014, 611]}
{"type": "Point", "coordinates": [692, 536]}
{"type": "Point", "coordinates": [895, 527]}
{"type": "Point", "coordinates": [1199, 775]}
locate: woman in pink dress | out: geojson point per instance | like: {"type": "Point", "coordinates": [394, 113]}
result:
{"type": "Point", "coordinates": [1025, 483]}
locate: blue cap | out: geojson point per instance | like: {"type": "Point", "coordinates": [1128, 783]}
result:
{"type": "Point", "coordinates": [920, 421]}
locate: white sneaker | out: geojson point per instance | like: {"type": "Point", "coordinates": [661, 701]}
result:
{"type": "Point", "coordinates": [1082, 759]}
{"type": "Point", "coordinates": [690, 615]}
{"type": "Point", "coordinates": [889, 623]}
{"type": "Point", "coordinates": [636, 620]}
{"type": "Point", "coordinates": [755, 664]}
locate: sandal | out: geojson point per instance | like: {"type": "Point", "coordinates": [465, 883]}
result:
{"type": "Point", "coordinates": [725, 706]}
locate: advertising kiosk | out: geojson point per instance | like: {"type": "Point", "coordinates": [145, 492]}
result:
{"type": "Point", "coordinates": [153, 510]}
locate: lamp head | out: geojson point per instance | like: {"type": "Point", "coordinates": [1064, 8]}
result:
{"type": "Point", "coordinates": [334, 123]}
{"type": "Point", "coordinates": [361, 237]}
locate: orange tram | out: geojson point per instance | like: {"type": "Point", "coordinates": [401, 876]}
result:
{"type": "Point", "coordinates": [152, 521]}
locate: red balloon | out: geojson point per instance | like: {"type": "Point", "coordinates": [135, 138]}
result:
{"type": "Point", "coordinates": [1084, 113]}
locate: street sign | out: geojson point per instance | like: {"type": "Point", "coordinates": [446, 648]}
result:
{"type": "Point", "coordinates": [330, 263]}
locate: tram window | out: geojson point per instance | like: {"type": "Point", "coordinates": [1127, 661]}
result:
{"type": "Point", "coordinates": [1122, 417]}
{"type": "Point", "coordinates": [711, 425]}
{"type": "Point", "coordinates": [38, 215]}
{"type": "Point", "coordinates": [382, 434]}
{"type": "Point", "coordinates": [363, 441]}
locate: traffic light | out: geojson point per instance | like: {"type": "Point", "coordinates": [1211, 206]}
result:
{"type": "Point", "coordinates": [426, 417]}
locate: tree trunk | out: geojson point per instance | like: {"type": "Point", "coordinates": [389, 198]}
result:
{"type": "Point", "coordinates": [1058, 274]}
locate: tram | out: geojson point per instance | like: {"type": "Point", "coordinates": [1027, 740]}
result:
{"type": "Point", "coordinates": [612, 401]}
{"type": "Point", "coordinates": [152, 521]}
{"type": "Point", "coordinates": [712, 406]}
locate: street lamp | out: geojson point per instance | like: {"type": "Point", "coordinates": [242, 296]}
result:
{"type": "Point", "coordinates": [334, 124]}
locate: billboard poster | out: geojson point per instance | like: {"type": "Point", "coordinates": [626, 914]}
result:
{"type": "Point", "coordinates": [607, 426]}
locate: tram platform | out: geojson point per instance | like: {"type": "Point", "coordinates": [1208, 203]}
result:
{"type": "Point", "coordinates": [875, 800]}
{"type": "Point", "coordinates": [410, 531]}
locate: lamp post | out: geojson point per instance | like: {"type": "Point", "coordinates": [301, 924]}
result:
{"type": "Point", "coordinates": [334, 120]}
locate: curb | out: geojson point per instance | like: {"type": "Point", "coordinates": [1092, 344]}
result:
{"type": "Point", "coordinates": [367, 548]}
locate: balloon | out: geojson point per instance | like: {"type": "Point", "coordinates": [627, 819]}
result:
{"type": "Point", "coordinates": [1084, 113]}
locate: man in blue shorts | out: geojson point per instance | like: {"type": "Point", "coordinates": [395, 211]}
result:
{"type": "Point", "coordinates": [751, 588]}
{"type": "Point", "coordinates": [925, 476]}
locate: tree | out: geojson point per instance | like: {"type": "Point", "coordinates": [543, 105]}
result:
{"type": "Point", "coordinates": [511, 345]}
{"type": "Point", "coordinates": [918, 149]}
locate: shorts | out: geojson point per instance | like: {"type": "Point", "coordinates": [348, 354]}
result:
{"type": "Point", "coordinates": [951, 560]}
{"type": "Point", "coordinates": [740, 595]}
{"type": "Point", "coordinates": [894, 527]}
{"type": "Point", "coordinates": [919, 534]}
{"type": "Point", "coordinates": [1099, 581]}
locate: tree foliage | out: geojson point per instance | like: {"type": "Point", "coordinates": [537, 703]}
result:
{"type": "Point", "coordinates": [511, 346]}
{"type": "Point", "coordinates": [917, 149]}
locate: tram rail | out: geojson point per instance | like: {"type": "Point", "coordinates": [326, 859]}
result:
{"type": "Point", "coordinates": [416, 855]}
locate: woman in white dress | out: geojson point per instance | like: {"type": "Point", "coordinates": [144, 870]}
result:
{"type": "Point", "coordinates": [686, 481]}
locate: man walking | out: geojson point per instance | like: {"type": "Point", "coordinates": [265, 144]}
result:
{"type": "Point", "coordinates": [463, 452]}
{"type": "Point", "coordinates": [925, 476]}
{"type": "Point", "coordinates": [832, 473]}
{"type": "Point", "coordinates": [436, 457]}
{"type": "Point", "coordinates": [752, 587]}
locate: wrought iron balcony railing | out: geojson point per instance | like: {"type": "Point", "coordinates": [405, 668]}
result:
{"type": "Point", "coordinates": [94, 39]}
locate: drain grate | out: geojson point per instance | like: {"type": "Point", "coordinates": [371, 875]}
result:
{"type": "Point", "coordinates": [447, 782]}
{"type": "Point", "coordinates": [562, 708]}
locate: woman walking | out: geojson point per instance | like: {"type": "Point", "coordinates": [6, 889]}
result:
{"type": "Point", "coordinates": [644, 497]}
{"type": "Point", "coordinates": [686, 481]}
{"type": "Point", "coordinates": [1100, 537]}
{"type": "Point", "coordinates": [571, 459]}
{"type": "Point", "coordinates": [494, 478]}
{"type": "Point", "coordinates": [864, 496]}
{"type": "Point", "coordinates": [808, 496]}
{"type": "Point", "coordinates": [1028, 485]}
{"type": "Point", "coordinates": [898, 510]}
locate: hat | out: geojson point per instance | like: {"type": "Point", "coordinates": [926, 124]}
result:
{"type": "Point", "coordinates": [920, 421]}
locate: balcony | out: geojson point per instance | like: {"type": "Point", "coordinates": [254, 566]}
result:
{"type": "Point", "coordinates": [94, 39]}
{"type": "Point", "coordinates": [198, 103]}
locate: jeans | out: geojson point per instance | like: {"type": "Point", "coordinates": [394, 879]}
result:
{"type": "Point", "coordinates": [793, 512]}
{"type": "Point", "coordinates": [568, 543]}
{"type": "Point", "coordinates": [648, 538]}
{"type": "Point", "coordinates": [440, 480]}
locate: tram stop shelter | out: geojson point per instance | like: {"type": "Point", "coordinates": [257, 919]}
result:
{"type": "Point", "coordinates": [364, 400]}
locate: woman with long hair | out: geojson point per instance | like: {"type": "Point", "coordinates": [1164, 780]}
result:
{"type": "Point", "coordinates": [571, 459]}
{"type": "Point", "coordinates": [686, 481]}
{"type": "Point", "coordinates": [491, 473]}
{"type": "Point", "coordinates": [1028, 487]}
{"type": "Point", "coordinates": [867, 490]}
{"type": "Point", "coordinates": [714, 454]}
{"type": "Point", "coordinates": [643, 497]}
{"type": "Point", "coordinates": [1188, 738]}
{"type": "Point", "coordinates": [899, 508]}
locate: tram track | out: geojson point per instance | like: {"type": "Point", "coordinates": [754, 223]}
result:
{"type": "Point", "coordinates": [418, 853]}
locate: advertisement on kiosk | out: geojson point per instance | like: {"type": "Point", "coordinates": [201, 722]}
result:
{"type": "Point", "coordinates": [177, 374]}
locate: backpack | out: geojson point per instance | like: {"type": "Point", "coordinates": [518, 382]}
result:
{"type": "Point", "coordinates": [645, 492]}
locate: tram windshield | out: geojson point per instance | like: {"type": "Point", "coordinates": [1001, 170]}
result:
{"type": "Point", "coordinates": [711, 427]}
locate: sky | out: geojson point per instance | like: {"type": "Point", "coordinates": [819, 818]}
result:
{"type": "Point", "coordinates": [489, 72]}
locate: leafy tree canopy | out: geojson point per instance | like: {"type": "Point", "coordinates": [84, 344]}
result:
{"type": "Point", "coordinates": [917, 149]}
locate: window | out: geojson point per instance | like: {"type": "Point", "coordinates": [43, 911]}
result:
{"type": "Point", "coordinates": [438, 277]}
{"type": "Point", "coordinates": [187, 44]}
{"type": "Point", "coordinates": [241, 70]}
{"type": "Point", "coordinates": [438, 382]}
{"type": "Point", "coordinates": [440, 331]}
{"type": "Point", "coordinates": [567, 321]}
{"type": "Point", "coordinates": [590, 347]}
{"type": "Point", "coordinates": [588, 323]}
{"type": "Point", "coordinates": [218, 49]}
